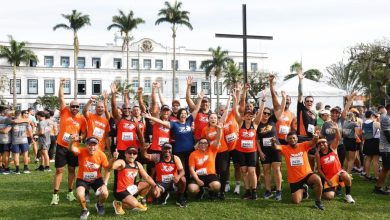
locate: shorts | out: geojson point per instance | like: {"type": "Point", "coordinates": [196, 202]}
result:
{"type": "Point", "coordinates": [65, 156]}
{"type": "Point", "coordinates": [299, 185]}
{"type": "Point", "coordinates": [44, 146]}
{"type": "Point", "coordinates": [119, 196]}
{"type": "Point", "coordinates": [19, 148]}
{"type": "Point", "coordinates": [206, 179]}
{"type": "Point", "coordinates": [166, 187]}
{"type": "Point", "coordinates": [371, 147]}
{"type": "Point", "coordinates": [94, 184]}
{"type": "Point", "coordinates": [385, 159]}
{"type": "Point", "coordinates": [5, 148]}
{"type": "Point", "coordinates": [247, 159]}
{"type": "Point", "coordinates": [234, 155]}
{"type": "Point", "coordinates": [350, 144]}
{"type": "Point", "coordinates": [271, 155]}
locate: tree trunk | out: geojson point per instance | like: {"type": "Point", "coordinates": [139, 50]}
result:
{"type": "Point", "coordinates": [127, 63]}
{"type": "Point", "coordinates": [14, 85]}
{"type": "Point", "coordinates": [75, 63]}
{"type": "Point", "coordinates": [174, 66]}
{"type": "Point", "coordinates": [217, 87]}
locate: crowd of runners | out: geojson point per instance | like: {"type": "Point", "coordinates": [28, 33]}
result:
{"type": "Point", "coordinates": [155, 150]}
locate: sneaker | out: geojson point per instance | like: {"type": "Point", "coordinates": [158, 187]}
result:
{"type": "Point", "coordinates": [181, 202]}
{"type": "Point", "coordinates": [278, 195]}
{"type": "Point", "coordinates": [47, 170]}
{"type": "Point", "coordinates": [100, 209]}
{"type": "Point", "coordinates": [349, 199]}
{"type": "Point", "coordinates": [2, 171]}
{"type": "Point", "coordinates": [16, 172]}
{"type": "Point", "coordinates": [379, 190]}
{"type": "Point", "coordinates": [118, 207]}
{"type": "Point", "coordinates": [26, 171]}
{"type": "Point", "coordinates": [141, 200]}
{"type": "Point", "coordinates": [70, 196]}
{"type": "Point", "coordinates": [55, 199]}
{"type": "Point", "coordinates": [84, 214]}
{"type": "Point", "coordinates": [40, 168]}
{"type": "Point", "coordinates": [387, 190]}
{"type": "Point", "coordinates": [6, 172]}
{"type": "Point", "coordinates": [247, 195]}
{"type": "Point", "coordinates": [87, 197]}
{"type": "Point", "coordinates": [268, 195]}
{"type": "Point", "coordinates": [306, 191]}
{"type": "Point", "coordinates": [319, 205]}
{"type": "Point", "coordinates": [140, 208]}
{"type": "Point", "coordinates": [237, 190]}
{"type": "Point", "coordinates": [164, 198]}
{"type": "Point", "coordinates": [227, 188]}
{"type": "Point", "coordinates": [200, 194]}
{"type": "Point", "coordinates": [254, 195]}
{"type": "Point", "coordinates": [52, 161]}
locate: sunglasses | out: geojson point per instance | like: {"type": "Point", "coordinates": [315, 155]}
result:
{"type": "Point", "coordinates": [75, 106]}
{"type": "Point", "coordinates": [132, 153]}
{"type": "Point", "coordinates": [267, 113]}
{"type": "Point", "coordinates": [126, 108]}
{"type": "Point", "coordinates": [203, 142]}
{"type": "Point", "coordinates": [309, 101]}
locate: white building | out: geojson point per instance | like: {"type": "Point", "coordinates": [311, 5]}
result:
{"type": "Point", "coordinates": [99, 66]}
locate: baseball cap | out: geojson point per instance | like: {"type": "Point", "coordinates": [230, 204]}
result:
{"type": "Point", "coordinates": [354, 110]}
{"type": "Point", "coordinates": [175, 101]}
{"type": "Point", "coordinates": [131, 150]}
{"type": "Point", "coordinates": [165, 107]}
{"type": "Point", "coordinates": [336, 108]}
{"type": "Point", "coordinates": [368, 113]}
{"type": "Point", "coordinates": [92, 140]}
{"type": "Point", "coordinates": [166, 145]}
{"type": "Point", "coordinates": [324, 112]}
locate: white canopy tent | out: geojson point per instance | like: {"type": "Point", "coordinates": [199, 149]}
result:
{"type": "Point", "coordinates": [320, 91]}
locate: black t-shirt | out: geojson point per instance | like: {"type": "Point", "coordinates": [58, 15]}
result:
{"type": "Point", "coordinates": [308, 118]}
{"type": "Point", "coordinates": [265, 131]}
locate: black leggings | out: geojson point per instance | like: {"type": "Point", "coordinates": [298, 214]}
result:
{"type": "Point", "coordinates": [341, 154]}
{"type": "Point", "coordinates": [52, 148]}
{"type": "Point", "coordinates": [222, 168]}
{"type": "Point", "coordinates": [184, 156]}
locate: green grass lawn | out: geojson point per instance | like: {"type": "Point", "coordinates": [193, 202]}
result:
{"type": "Point", "coordinates": [27, 196]}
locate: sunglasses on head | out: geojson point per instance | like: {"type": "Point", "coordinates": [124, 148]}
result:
{"type": "Point", "coordinates": [75, 106]}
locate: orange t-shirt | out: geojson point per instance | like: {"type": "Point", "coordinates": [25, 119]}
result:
{"type": "Point", "coordinates": [297, 161]}
{"type": "Point", "coordinates": [204, 162]}
{"type": "Point", "coordinates": [210, 133]}
{"type": "Point", "coordinates": [90, 165]}
{"type": "Point", "coordinates": [70, 124]}
{"type": "Point", "coordinates": [283, 125]}
{"type": "Point", "coordinates": [161, 135]}
{"type": "Point", "coordinates": [230, 131]}
{"type": "Point", "coordinates": [99, 127]}
{"type": "Point", "coordinates": [201, 121]}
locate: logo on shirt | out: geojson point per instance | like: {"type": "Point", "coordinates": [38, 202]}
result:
{"type": "Point", "coordinates": [163, 129]}
{"type": "Point", "coordinates": [248, 134]}
{"type": "Point", "coordinates": [131, 174]}
{"type": "Point", "coordinates": [184, 129]}
{"type": "Point", "coordinates": [167, 169]}
{"type": "Point", "coordinates": [91, 165]}
{"type": "Point", "coordinates": [329, 159]}
{"type": "Point", "coordinates": [297, 154]}
{"type": "Point", "coordinates": [203, 119]}
{"type": "Point", "coordinates": [102, 125]}
{"type": "Point", "coordinates": [201, 161]}
{"type": "Point", "coordinates": [128, 126]}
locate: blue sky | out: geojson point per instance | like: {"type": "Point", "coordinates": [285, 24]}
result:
{"type": "Point", "coordinates": [318, 31]}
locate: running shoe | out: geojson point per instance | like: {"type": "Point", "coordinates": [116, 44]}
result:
{"type": "Point", "coordinates": [379, 190]}
{"type": "Point", "coordinates": [319, 205]}
{"type": "Point", "coordinates": [247, 195]}
{"type": "Point", "coordinates": [268, 195]}
{"type": "Point", "coordinates": [16, 172]}
{"type": "Point", "coordinates": [55, 199]}
{"type": "Point", "coordinates": [349, 199]}
{"type": "Point", "coordinates": [118, 207]}
{"type": "Point", "coordinates": [200, 194]}
{"type": "Point", "coordinates": [227, 187]}
{"type": "Point", "coordinates": [84, 214]}
{"type": "Point", "coordinates": [100, 209]}
{"type": "Point", "coordinates": [164, 198]}
{"type": "Point", "coordinates": [181, 202]}
{"type": "Point", "coordinates": [278, 195]}
{"type": "Point", "coordinates": [70, 196]}
{"type": "Point", "coordinates": [6, 172]}
{"type": "Point", "coordinates": [40, 168]}
{"type": "Point", "coordinates": [2, 171]}
{"type": "Point", "coordinates": [306, 191]}
{"type": "Point", "coordinates": [140, 208]}
{"type": "Point", "coordinates": [26, 171]}
{"type": "Point", "coordinates": [237, 190]}
{"type": "Point", "coordinates": [47, 170]}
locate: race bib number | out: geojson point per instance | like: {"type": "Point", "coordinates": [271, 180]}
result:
{"type": "Point", "coordinates": [98, 132]}
{"type": "Point", "coordinates": [167, 178]}
{"type": "Point", "coordinates": [267, 142]}
{"type": "Point", "coordinates": [89, 176]}
{"type": "Point", "coordinates": [247, 143]}
{"type": "Point", "coordinates": [66, 137]}
{"type": "Point", "coordinates": [310, 128]}
{"type": "Point", "coordinates": [127, 136]}
{"type": "Point", "coordinates": [162, 141]}
{"type": "Point", "coordinates": [296, 161]}
{"type": "Point", "coordinates": [132, 189]}
{"type": "Point", "coordinates": [202, 172]}
{"type": "Point", "coordinates": [284, 129]}
{"type": "Point", "coordinates": [231, 137]}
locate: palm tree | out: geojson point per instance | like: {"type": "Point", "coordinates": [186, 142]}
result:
{"type": "Point", "coordinates": [173, 15]}
{"type": "Point", "coordinates": [76, 21]}
{"type": "Point", "coordinates": [15, 54]}
{"type": "Point", "coordinates": [312, 74]}
{"type": "Point", "coordinates": [345, 77]}
{"type": "Point", "coordinates": [125, 24]}
{"type": "Point", "coordinates": [218, 64]}
{"type": "Point", "coordinates": [232, 76]}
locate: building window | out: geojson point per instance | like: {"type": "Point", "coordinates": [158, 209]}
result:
{"type": "Point", "coordinates": [176, 66]}
{"type": "Point", "coordinates": [95, 62]}
{"type": "Point", "coordinates": [206, 88]}
{"type": "Point", "coordinates": [253, 67]}
{"type": "Point", "coordinates": [65, 62]}
{"type": "Point", "coordinates": [18, 107]}
{"type": "Point", "coordinates": [147, 64]}
{"type": "Point", "coordinates": [48, 61]}
{"type": "Point", "coordinates": [67, 87]}
{"type": "Point", "coordinates": [33, 63]}
{"type": "Point", "coordinates": [96, 87]}
{"type": "Point", "coordinates": [192, 65]}
{"type": "Point", "coordinates": [135, 83]}
{"type": "Point", "coordinates": [11, 86]}
{"type": "Point", "coordinates": [134, 63]}
{"type": "Point", "coordinates": [219, 88]}
{"type": "Point", "coordinates": [32, 86]}
{"type": "Point", "coordinates": [81, 62]}
{"type": "Point", "coordinates": [159, 64]}
{"type": "Point", "coordinates": [81, 87]}
{"type": "Point", "coordinates": [117, 63]}
{"type": "Point", "coordinates": [177, 86]}
{"type": "Point", "coordinates": [241, 66]}
{"type": "Point", "coordinates": [81, 107]}
{"type": "Point", "coordinates": [194, 89]}
{"type": "Point", "coordinates": [49, 86]}
{"type": "Point", "coordinates": [147, 85]}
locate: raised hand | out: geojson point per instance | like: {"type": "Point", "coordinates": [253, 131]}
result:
{"type": "Point", "coordinates": [271, 78]}
{"type": "Point", "coordinates": [105, 95]}
{"type": "Point", "coordinates": [155, 85]}
{"type": "Point", "coordinates": [140, 90]}
{"type": "Point", "coordinates": [201, 94]}
{"type": "Point", "coordinates": [189, 80]}
{"type": "Point", "coordinates": [62, 82]}
{"type": "Point", "coordinates": [283, 93]}
{"type": "Point", "coordinates": [93, 98]}
{"type": "Point", "coordinates": [113, 88]}
{"type": "Point", "coordinates": [247, 86]}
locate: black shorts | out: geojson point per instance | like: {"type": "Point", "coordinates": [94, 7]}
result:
{"type": "Point", "coordinates": [5, 148]}
{"type": "Point", "coordinates": [271, 155]}
{"type": "Point", "coordinates": [247, 159]}
{"type": "Point", "coordinates": [371, 146]}
{"type": "Point", "coordinates": [166, 187]}
{"type": "Point", "coordinates": [94, 184]}
{"type": "Point", "coordinates": [385, 159]}
{"type": "Point", "coordinates": [233, 154]}
{"type": "Point", "coordinates": [299, 185]}
{"type": "Point", "coordinates": [350, 144]}
{"type": "Point", "coordinates": [65, 156]}
{"type": "Point", "coordinates": [119, 196]}
{"type": "Point", "coordinates": [206, 179]}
